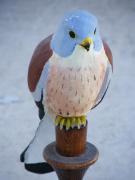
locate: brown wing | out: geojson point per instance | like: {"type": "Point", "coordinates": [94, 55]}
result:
{"type": "Point", "coordinates": [108, 53]}
{"type": "Point", "coordinates": [40, 56]}
{"type": "Point", "coordinates": [107, 78]}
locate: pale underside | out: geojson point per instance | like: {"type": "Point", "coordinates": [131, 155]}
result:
{"type": "Point", "coordinates": [74, 83]}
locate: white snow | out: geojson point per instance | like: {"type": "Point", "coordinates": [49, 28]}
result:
{"type": "Point", "coordinates": [9, 99]}
{"type": "Point", "coordinates": [23, 24]}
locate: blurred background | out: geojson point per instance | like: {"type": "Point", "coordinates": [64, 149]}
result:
{"type": "Point", "coordinates": [23, 24]}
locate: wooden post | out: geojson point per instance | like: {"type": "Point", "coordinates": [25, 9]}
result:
{"type": "Point", "coordinates": [71, 155]}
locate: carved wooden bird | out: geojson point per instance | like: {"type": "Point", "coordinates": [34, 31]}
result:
{"type": "Point", "coordinates": [68, 75]}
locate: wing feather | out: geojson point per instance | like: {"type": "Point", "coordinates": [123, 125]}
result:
{"type": "Point", "coordinates": [107, 77]}
{"type": "Point", "coordinates": [38, 72]}
{"type": "Point", "coordinates": [40, 57]}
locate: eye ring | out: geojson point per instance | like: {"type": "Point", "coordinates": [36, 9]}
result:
{"type": "Point", "coordinates": [95, 31]}
{"type": "Point", "coordinates": [72, 34]}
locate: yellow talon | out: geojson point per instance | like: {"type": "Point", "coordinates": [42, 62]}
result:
{"type": "Point", "coordinates": [76, 122]}
{"type": "Point", "coordinates": [68, 124]}
{"type": "Point", "coordinates": [73, 122]}
{"type": "Point", "coordinates": [62, 123]}
{"type": "Point", "coordinates": [83, 120]}
{"type": "Point", "coordinates": [79, 123]}
{"type": "Point", "coordinates": [57, 120]}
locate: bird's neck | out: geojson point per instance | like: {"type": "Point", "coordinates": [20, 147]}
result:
{"type": "Point", "coordinates": [79, 58]}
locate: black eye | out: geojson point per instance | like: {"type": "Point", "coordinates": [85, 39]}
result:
{"type": "Point", "coordinates": [95, 31]}
{"type": "Point", "coordinates": [72, 34]}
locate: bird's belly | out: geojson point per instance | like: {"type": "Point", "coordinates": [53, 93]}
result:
{"type": "Point", "coordinates": [72, 92]}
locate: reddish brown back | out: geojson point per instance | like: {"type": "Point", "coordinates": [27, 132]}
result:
{"type": "Point", "coordinates": [40, 56]}
{"type": "Point", "coordinates": [108, 53]}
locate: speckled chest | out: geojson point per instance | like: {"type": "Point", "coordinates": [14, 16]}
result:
{"type": "Point", "coordinates": [72, 91]}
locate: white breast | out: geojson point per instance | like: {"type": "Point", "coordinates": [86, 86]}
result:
{"type": "Point", "coordinates": [74, 82]}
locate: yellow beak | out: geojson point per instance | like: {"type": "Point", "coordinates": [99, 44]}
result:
{"type": "Point", "coordinates": [86, 43]}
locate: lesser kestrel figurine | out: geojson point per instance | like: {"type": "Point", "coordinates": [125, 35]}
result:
{"type": "Point", "coordinates": [68, 75]}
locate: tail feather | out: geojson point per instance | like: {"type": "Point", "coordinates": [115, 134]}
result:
{"type": "Point", "coordinates": [39, 168]}
{"type": "Point", "coordinates": [22, 158]}
{"type": "Point", "coordinates": [32, 156]}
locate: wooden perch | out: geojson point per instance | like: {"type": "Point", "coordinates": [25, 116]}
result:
{"type": "Point", "coordinates": [71, 155]}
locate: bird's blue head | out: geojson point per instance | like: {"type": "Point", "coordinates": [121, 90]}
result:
{"type": "Point", "coordinates": [77, 28]}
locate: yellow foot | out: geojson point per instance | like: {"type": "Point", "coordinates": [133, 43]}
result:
{"type": "Point", "coordinates": [70, 122]}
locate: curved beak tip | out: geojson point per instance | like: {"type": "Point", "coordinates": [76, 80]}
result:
{"type": "Point", "coordinates": [86, 43]}
{"type": "Point", "coordinates": [86, 46]}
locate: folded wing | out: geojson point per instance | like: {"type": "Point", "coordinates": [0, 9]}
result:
{"type": "Point", "coordinates": [107, 77]}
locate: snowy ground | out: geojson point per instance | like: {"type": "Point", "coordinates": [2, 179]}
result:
{"type": "Point", "coordinates": [111, 126]}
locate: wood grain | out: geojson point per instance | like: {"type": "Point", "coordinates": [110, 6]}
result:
{"type": "Point", "coordinates": [70, 156]}
{"type": "Point", "coordinates": [71, 142]}
{"type": "Point", "coordinates": [71, 168]}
